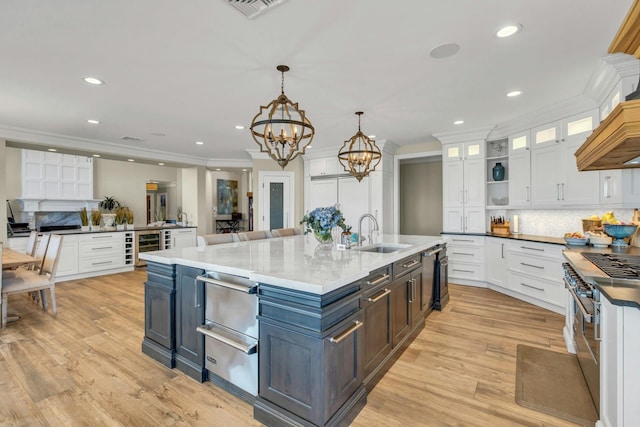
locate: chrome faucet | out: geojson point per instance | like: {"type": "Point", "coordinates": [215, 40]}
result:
{"type": "Point", "coordinates": [375, 227]}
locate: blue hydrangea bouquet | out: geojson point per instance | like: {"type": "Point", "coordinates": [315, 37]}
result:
{"type": "Point", "coordinates": [321, 222]}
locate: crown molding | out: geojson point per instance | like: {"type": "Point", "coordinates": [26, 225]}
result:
{"type": "Point", "coordinates": [257, 154]}
{"type": "Point", "coordinates": [26, 138]}
{"type": "Point", "coordinates": [568, 107]}
{"type": "Point", "coordinates": [229, 163]}
{"type": "Point", "coordinates": [464, 135]}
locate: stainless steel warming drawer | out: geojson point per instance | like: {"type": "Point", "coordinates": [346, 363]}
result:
{"type": "Point", "coordinates": [231, 329]}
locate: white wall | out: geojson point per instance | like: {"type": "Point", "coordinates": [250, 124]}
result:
{"type": "Point", "coordinates": [127, 182]}
{"type": "Point", "coordinates": [4, 172]}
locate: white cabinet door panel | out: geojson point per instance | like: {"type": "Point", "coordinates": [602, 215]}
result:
{"type": "Point", "coordinates": [474, 182]}
{"type": "Point", "coordinates": [452, 183]}
{"type": "Point", "coordinates": [520, 178]}
{"type": "Point", "coordinates": [353, 199]}
{"type": "Point", "coordinates": [323, 193]}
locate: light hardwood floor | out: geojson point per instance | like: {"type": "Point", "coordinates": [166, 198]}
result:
{"type": "Point", "coordinates": [85, 368]}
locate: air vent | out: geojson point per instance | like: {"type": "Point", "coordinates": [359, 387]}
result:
{"type": "Point", "coordinates": [252, 8]}
{"type": "Point", "coordinates": [131, 138]}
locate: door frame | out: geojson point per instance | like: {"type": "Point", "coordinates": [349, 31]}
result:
{"type": "Point", "coordinates": [288, 180]}
{"type": "Point", "coordinates": [396, 181]}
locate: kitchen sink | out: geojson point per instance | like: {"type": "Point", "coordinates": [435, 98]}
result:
{"type": "Point", "coordinates": [381, 248]}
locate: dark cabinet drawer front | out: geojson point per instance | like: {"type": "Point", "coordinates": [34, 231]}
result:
{"type": "Point", "coordinates": [407, 265]}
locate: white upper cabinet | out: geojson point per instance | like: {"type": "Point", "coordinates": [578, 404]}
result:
{"type": "Point", "coordinates": [48, 175]}
{"type": "Point", "coordinates": [463, 151]}
{"type": "Point", "coordinates": [520, 169]}
{"type": "Point", "coordinates": [555, 179]}
{"type": "Point", "coordinates": [324, 166]}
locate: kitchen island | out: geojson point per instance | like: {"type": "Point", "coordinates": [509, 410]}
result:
{"type": "Point", "coordinates": [331, 322]}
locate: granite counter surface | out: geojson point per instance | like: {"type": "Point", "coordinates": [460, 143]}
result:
{"type": "Point", "coordinates": [295, 262]}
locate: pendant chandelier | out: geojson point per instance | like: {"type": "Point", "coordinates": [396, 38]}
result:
{"type": "Point", "coordinates": [359, 155]}
{"type": "Point", "coordinates": [280, 128]}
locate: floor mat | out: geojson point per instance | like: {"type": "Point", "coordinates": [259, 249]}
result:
{"type": "Point", "coordinates": [552, 382]}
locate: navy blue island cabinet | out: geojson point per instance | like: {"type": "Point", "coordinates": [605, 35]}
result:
{"type": "Point", "coordinates": [318, 354]}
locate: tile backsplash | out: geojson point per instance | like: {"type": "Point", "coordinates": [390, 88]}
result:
{"type": "Point", "coordinates": [554, 223]}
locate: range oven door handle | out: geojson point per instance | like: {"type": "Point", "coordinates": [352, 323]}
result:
{"type": "Point", "coordinates": [248, 349]}
{"type": "Point", "coordinates": [587, 316]}
{"type": "Point", "coordinates": [234, 286]}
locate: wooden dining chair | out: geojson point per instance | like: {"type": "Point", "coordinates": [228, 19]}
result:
{"type": "Point", "coordinates": [253, 235]}
{"type": "Point", "coordinates": [28, 281]}
{"type": "Point", "coordinates": [31, 243]}
{"type": "Point", "coordinates": [284, 232]}
{"type": "Point", "coordinates": [216, 239]}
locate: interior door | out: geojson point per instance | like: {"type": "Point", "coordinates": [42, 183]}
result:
{"type": "Point", "coordinates": [276, 200]}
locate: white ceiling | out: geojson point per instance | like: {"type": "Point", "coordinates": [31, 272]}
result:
{"type": "Point", "coordinates": [193, 69]}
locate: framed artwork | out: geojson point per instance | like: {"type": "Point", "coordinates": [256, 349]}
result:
{"type": "Point", "coordinates": [227, 196]}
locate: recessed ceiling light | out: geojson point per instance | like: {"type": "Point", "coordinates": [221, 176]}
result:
{"type": "Point", "coordinates": [93, 81]}
{"type": "Point", "coordinates": [199, 142]}
{"type": "Point", "coordinates": [244, 170]}
{"type": "Point", "coordinates": [371, 136]}
{"type": "Point", "coordinates": [514, 93]}
{"type": "Point", "coordinates": [218, 169]}
{"type": "Point", "coordinates": [131, 160]}
{"type": "Point", "coordinates": [458, 122]}
{"type": "Point", "coordinates": [52, 150]}
{"type": "Point", "coordinates": [508, 30]}
{"type": "Point", "coordinates": [93, 122]}
{"type": "Point", "coordinates": [444, 50]}
{"type": "Point", "coordinates": [96, 155]}
{"type": "Point", "coordinates": [161, 164]}
{"type": "Point", "coordinates": [239, 127]}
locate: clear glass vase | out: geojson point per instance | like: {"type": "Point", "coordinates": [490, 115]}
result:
{"type": "Point", "coordinates": [324, 238]}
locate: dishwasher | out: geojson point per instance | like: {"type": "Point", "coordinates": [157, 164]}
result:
{"type": "Point", "coordinates": [231, 329]}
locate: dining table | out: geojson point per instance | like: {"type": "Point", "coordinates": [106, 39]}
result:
{"type": "Point", "coordinates": [12, 259]}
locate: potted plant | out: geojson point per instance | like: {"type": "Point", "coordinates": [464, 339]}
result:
{"type": "Point", "coordinates": [129, 219]}
{"type": "Point", "coordinates": [321, 221]}
{"type": "Point", "coordinates": [84, 219]}
{"type": "Point", "coordinates": [108, 204]}
{"type": "Point", "coordinates": [96, 216]}
{"type": "Point", "coordinates": [121, 217]}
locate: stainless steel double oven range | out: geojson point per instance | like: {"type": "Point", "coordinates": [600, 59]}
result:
{"type": "Point", "coordinates": [582, 274]}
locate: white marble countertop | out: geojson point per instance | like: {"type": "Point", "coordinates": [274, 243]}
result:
{"type": "Point", "coordinates": [295, 262]}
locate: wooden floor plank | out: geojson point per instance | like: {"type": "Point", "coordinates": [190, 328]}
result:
{"type": "Point", "coordinates": [84, 367]}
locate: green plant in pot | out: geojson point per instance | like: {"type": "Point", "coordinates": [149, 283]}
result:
{"type": "Point", "coordinates": [96, 216]}
{"type": "Point", "coordinates": [108, 204]}
{"type": "Point", "coordinates": [129, 218]}
{"type": "Point", "coordinates": [84, 219]}
{"type": "Point", "coordinates": [121, 217]}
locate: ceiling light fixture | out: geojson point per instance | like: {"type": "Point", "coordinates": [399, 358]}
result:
{"type": "Point", "coordinates": [130, 160]}
{"type": "Point", "coordinates": [53, 150]}
{"type": "Point", "coordinates": [199, 143]}
{"type": "Point", "coordinates": [160, 164]}
{"type": "Point", "coordinates": [458, 122]}
{"type": "Point", "coordinates": [508, 30]}
{"type": "Point", "coordinates": [93, 81]}
{"type": "Point", "coordinates": [514, 93]}
{"type": "Point", "coordinates": [93, 122]}
{"type": "Point", "coordinates": [96, 155]}
{"type": "Point", "coordinates": [239, 127]}
{"type": "Point", "coordinates": [359, 155]}
{"type": "Point", "coordinates": [281, 126]}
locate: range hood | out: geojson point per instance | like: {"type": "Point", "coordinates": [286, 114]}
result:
{"type": "Point", "coordinates": [615, 143]}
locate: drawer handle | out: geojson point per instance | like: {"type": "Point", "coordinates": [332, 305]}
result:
{"type": "Point", "coordinates": [378, 280]}
{"type": "Point", "coordinates": [463, 240]}
{"type": "Point", "coordinates": [248, 349]}
{"type": "Point", "coordinates": [411, 264]}
{"type": "Point", "coordinates": [464, 271]}
{"type": "Point", "coordinates": [532, 287]}
{"type": "Point", "coordinates": [101, 248]}
{"type": "Point", "coordinates": [379, 297]}
{"type": "Point", "coordinates": [462, 253]}
{"type": "Point", "coordinates": [101, 237]}
{"type": "Point", "coordinates": [235, 287]}
{"type": "Point", "coordinates": [433, 252]}
{"type": "Point", "coordinates": [102, 263]}
{"type": "Point", "coordinates": [340, 337]}
{"type": "Point", "coordinates": [531, 265]}
{"type": "Point", "coordinates": [532, 249]}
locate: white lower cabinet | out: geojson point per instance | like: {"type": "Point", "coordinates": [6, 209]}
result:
{"type": "Point", "coordinates": [619, 368]}
{"type": "Point", "coordinates": [466, 258]}
{"type": "Point", "coordinates": [68, 262]}
{"type": "Point", "coordinates": [496, 261]}
{"type": "Point", "coordinates": [183, 238]}
{"type": "Point", "coordinates": [529, 271]}
{"type": "Point", "coordinates": [100, 251]}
